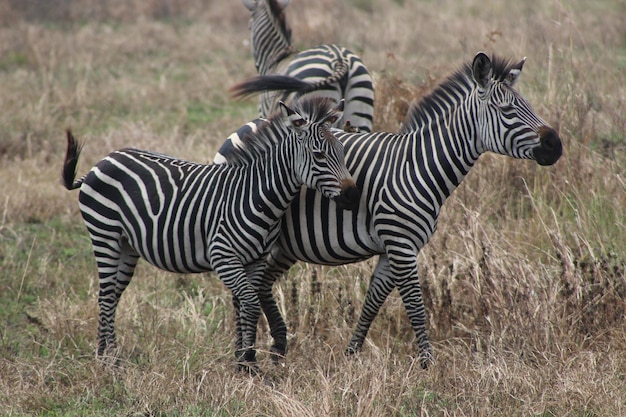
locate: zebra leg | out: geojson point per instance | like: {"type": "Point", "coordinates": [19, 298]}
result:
{"type": "Point", "coordinates": [411, 294]}
{"type": "Point", "coordinates": [380, 287]}
{"type": "Point", "coordinates": [233, 275]}
{"type": "Point", "coordinates": [278, 327]}
{"type": "Point", "coordinates": [248, 318]}
{"type": "Point", "coordinates": [238, 325]}
{"type": "Point", "coordinates": [116, 266]}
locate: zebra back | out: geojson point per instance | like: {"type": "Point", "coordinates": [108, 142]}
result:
{"type": "Point", "coordinates": [327, 70]}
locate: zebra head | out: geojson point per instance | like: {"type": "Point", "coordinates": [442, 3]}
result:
{"type": "Point", "coordinates": [506, 122]}
{"type": "Point", "coordinates": [321, 162]}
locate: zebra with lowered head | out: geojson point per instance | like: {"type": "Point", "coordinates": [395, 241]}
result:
{"type": "Point", "coordinates": [186, 217]}
{"type": "Point", "coordinates": [404, 180]}
{"type": "Point", "coordinates": [327, 70]}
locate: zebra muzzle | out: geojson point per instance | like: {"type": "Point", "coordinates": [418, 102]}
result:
{"type": "Point", "coordinates": [349, 197]}
{"type": "Point", "coordinates": [550, 148]}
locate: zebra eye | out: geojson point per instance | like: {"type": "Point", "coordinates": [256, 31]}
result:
{"type": "Point", "coordinates": [299, 122]}
{"type": "Point", "coordinates": [319, 155]}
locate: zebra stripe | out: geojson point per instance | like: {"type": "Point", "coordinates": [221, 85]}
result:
{"type": "Point", "coordinates": [404, 180]}
{"type": "Point", "coordinates": [187, 217]}
{"type": "Point", "coordinates": [327, 70]}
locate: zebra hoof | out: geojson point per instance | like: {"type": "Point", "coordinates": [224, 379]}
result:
{"type": "Point", "coordinates": [246, 361]}
{"type": "Point", "coordinates": [248, 368]}
{"type": "Point", "coordinates": [426, 359]}
{"type": "Point", "coordinates": [278, 356]}
{"type": "Point", "coordinates": [352, 350]}
{"type": "Point", "coordinates": [109, 354]}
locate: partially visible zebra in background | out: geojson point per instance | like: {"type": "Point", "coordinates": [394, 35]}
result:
{"type": "Point", "coordinates": [187, 217]}
{"type": "Point", "coordinates": [404, 180]}
{"type": "Point", "coordinates": [327, 70]}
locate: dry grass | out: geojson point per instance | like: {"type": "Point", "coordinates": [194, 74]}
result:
{"type": "Point", "coordinates": [524, 280]}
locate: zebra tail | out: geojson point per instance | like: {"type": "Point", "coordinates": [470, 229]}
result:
{"type": "Point", "coordinates": [263, 83]}
{"type": "Point", "coordinates": [71, 162]}
{"type": "Point", "coordinates": [287, 83]}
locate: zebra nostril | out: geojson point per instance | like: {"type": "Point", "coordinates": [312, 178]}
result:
{"type": "Point", "coordinates": [550, 148]}
{"type": "Point", "coordinates": [349, 197]}
{"type": "Point", "coordinates": [549, 138]}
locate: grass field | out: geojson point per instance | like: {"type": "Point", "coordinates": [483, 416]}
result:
{"type": "Point", "coordinates": [523, 281]}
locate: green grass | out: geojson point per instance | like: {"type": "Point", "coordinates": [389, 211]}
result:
{"type": "Point", "coordinates": [523, 280]}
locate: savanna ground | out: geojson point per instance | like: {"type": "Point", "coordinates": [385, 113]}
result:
{"type": "Point", "coordinates": [524, 279]}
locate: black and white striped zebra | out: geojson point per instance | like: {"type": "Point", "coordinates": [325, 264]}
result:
{"type": "Point", "coordinates": [327, 70]}
{"type": "Point", "coordinates": [404, 180]}
{"type": "Point", "coordinates": [187, 217]}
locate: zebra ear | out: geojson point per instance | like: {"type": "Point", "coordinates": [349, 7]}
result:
{"type": "Point", "coordinates": [514, 73]}
{"type": "Point", "coordinates": [482, 69]}
{"type": "Point", "coordinates": [335, 114]}
{"type": "Point", "coordinates": [291, 117]}
{"type": "Point", "coordinates": [282, 3]}
{"type": "Point", "coordinates": [341, 105]}
{"type": "Point", "coordinates": [250, 4]}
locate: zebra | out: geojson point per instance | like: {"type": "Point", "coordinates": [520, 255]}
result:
{"type": "Point", "coordinates": [327, 70]}
{"type": "Point", "coordinates": [404, 180]}
{"type": "Point", "coordinates": [187, 217]}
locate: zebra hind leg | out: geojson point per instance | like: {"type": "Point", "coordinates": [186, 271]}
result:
{"type": "Point", "coordinates": [116, 266]}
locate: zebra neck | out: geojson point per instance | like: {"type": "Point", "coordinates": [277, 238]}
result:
{"type": "Point", "coordinates": [267, 61]}
{"type": "Point", "coordinates": [446, 147]}
{"type": "Point", "coordinates": [277, 183]}
{"type": "Point", "coordinates": [271, 42]}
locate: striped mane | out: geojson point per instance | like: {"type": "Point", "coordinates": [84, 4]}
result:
{"type": "Point", "coordinates": [278, 13]}
{"type": "Point", "coordinates": [459, 84]}
{"type": "Point", "coordinates": [257, 142]}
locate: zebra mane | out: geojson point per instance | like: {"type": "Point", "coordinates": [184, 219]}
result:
{"type": "Point", "coordinates": [279, 15]}
{"type": "Point", "coordinates": [271, 131]}
{"type": "Point", "coordinates": [458, 84]}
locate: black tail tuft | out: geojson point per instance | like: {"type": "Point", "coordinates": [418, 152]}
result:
{"type": "Point", "coordinates": [71, 162]}
{"type": "Point", "coordinates": [263, 83]}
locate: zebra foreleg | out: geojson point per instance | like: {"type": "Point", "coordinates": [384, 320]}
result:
{"type": "Point", "coordinates": [263, 280]}
{"type": "Point", "coordinates": [275, 267]}
{"type": "Point", "coordinates": [248, 317]}
{"type": "Point", "coordinates": [411, 294]}
{"type": "Point", "coordinates": [232, 274]}
{"type": "Point", "coordinates": [246, 358]}
{"type": "Point", "coordinates": [380, 287]}
{"type": "Point", "coordinates": [238, 325]}
{"type": "Point", "coordinates": [278, 328]}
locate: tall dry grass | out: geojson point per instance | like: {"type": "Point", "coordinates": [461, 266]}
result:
{"type": "Point", "coordinates": [523, 281]}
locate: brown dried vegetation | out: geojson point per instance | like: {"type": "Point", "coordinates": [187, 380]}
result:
{"type": "Point", "coordinates": [523, 281]}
